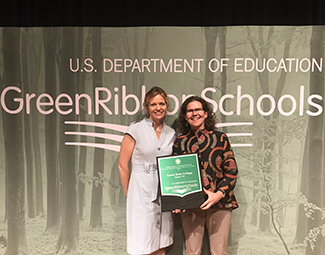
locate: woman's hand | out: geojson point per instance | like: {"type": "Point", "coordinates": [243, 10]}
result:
{"type": "Point", "coordinates": [213, 198]}
{"type": "Point", "coordinates": [178, 211]}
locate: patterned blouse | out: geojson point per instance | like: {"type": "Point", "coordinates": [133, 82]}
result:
{"type": "Point", "coordinates": [218, 164]}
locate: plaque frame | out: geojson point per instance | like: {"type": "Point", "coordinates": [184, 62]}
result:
{"type": "Point", "coordinates": [180, 183]}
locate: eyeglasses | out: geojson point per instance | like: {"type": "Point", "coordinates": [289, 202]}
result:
{"type": "Point", "coordinates": [192, 111]}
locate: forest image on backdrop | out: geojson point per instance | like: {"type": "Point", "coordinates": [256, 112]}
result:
{"type": "Point", "coordinates": [69, 94]}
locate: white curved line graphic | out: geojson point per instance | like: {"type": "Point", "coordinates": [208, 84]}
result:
{"type": "Point", "coordinates": [97, 145]}
{"type": "Point", "coordinates": [116, 127]}
{"type": "Point", "coordinates": [241, 145]}
{"type": "Point", "coordinates": [239, 134]}
{"type": "Point", "coordinates": [229, 124]}
{"type": "Point", "coordinates": [123, 129]}
{"type": "Point", "coordinates": [99, 135]}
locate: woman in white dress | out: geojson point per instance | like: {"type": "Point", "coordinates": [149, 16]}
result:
{"type": "Point", "coordinates": [149, 230]}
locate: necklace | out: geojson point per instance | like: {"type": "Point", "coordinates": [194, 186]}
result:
{"type": "Point", "coordinates": [158, 129]}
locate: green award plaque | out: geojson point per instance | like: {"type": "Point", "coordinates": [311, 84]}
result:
{"type": "Point", "coordinates": [180, 182]}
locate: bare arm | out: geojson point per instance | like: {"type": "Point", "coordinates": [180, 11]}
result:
{"type": "Point", "coordinates": [126, 150]}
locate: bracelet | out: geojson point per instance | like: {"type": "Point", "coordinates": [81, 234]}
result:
{"type": "Point", "coordinates": [223, 192]}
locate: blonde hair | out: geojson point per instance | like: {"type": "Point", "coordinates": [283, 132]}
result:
{"type": "Point", "coordinates": [154, 91]}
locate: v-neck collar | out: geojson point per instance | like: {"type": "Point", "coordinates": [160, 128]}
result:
{"type": "Point", "coordinates": [150, 123]}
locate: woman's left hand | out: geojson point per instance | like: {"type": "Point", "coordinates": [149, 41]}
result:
{"type": "Point", "coordinates": [213, 198]}
{"type": "Point", "coordinates": [178, 211]}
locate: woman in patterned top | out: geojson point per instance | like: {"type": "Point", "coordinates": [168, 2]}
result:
{"type": "Point", "coordinates": [218, 174]}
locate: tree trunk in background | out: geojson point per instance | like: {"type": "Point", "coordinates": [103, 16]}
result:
{"type": "Point", "coordinates": [132, 49]}
{"type": "Point", "coordinates": [99, 154]}
{"type": "Point", "coordinates": [264, 219]}
{"type": "Point", "coordinates": [260, 50]}
{"type": "Point", "coordinates": [135, 81]}
{"type": "Point", "coordinates": [14, 151]}
{"type": "Point", "coordinates": [2, 86]}
{"type": "Point", "coordinates": [121, 195]}
{"type": "Point", "coordinates": [39, 203]}
{"type": "Point", "coordinates": [316, 143]}
{"type": "Point", "coordinates": [148, 32]}
{"type": "Point", "coordinates": [280, 180]}
{"type": "Point", "coordinates": [222, 33]}
{"type": "Point", "coordinates": [301, 231]}
{"type": "Point", "coordinates": [69, 234]}
{"type": "Point", "coordinates": [279, 89]}
{"type": "Point", "coordinates": [83, 128]}
{"type": "Point", "coordinates": [239, 219]}
{"type": "Point", "coordinates": [211, 34]}
{"type": "Point", "coordinates": [29, 153]}
{"type": "Point", "coordinates": [35, 61]}
{"type": "Point", "coordinates": [255, 182]}
{"type": "Point", "coordinates": [51, 137]}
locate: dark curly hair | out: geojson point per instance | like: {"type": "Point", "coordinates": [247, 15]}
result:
{"type": "Point", "coordinates": [209, 123]}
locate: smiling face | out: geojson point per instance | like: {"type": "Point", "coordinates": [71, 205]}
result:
{"type": "Point", "coordinates": [195, 115]}
{"type": "Point", "coordinates": [157, 108]}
